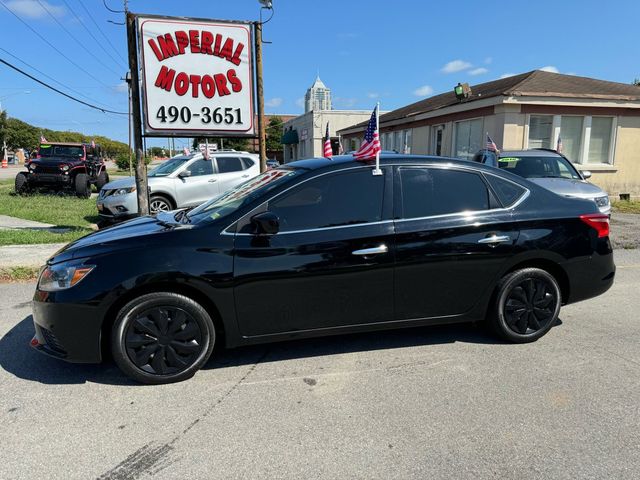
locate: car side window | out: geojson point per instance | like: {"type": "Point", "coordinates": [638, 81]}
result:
{"type": "Point", "coordinates": [437, 191]}
{"type": "Point", "coordinates": [508, 192]}
{"type": "Point", "coordinates": [229, 164]}
{"type": "Point", "coordinates": [345, 198]}
{"type": "Point", "coordinates": [201, 167]}
{"type": "Point", "coordinates": [248, 163]}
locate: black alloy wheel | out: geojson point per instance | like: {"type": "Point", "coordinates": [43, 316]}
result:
{"type": "Point", "coordinates": [162, 338]}
{"type": "Point", "coordinates": [528, 304]}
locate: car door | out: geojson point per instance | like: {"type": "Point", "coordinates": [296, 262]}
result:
{"type": "Point", "coordinates": [452, 239]}
{"type": "Point", "coordinates": [331, 263]}
{"type": "Point", "coordinates": [199, 186]}
{"type": "Point", "coordinates": [230, 172]}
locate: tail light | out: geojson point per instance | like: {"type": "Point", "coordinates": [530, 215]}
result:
{"type": "Point", "coordinates": [598, 221]}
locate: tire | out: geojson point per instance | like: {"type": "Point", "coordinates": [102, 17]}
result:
{"type": "Point", "coordinates": [144, 347]}
{"type": "Point", "coordinates": [158, 203]}
{"type": "Point", "coordinates": [102, 180]}
{"type": "Point", "coordinates": [21, 184]}
{"type": "Point", "coordinates": [526, 305]}
{"type": "Point", "coordinates": [82, 185]}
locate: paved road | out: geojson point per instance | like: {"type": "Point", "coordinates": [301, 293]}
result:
{"type": "Point", "coordinates": [445, 402]}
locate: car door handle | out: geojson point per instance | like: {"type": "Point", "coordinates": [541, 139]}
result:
{"type": "Point", "coordinates": [213, 180]}
{"type": "Point", "coordinates": [495, 239]}
{"type": "Point", "coordinates": [371, 251]}
{"type": "Point", "coordinates": [246, 175]}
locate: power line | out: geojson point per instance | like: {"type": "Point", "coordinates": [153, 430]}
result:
{"type": "Point", "coordinates": [51, 78]}
{"type": "Point", "coordinates": [98, 27]}
{"type": "Point", "coordinates": [52, 45]}
{"type": "Point", "coordinates": [104, 110]}
{"type": "Point", "coordinates": [111, 9]}
{"type": "Point", "coordinates": [119, 62]}
{"type": "Point", "coordinates": [91, 54]}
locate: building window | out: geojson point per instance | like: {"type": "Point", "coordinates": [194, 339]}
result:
{"type": "Point", "coordinates": [398, 137]}
{"type": "Point", "coordinates": [600, 140]}
{"type": "Point", "coordinates": [571, 134]}
{"type": "Point", "coordinates": [540, 131]}
{"type": "Point", "coordinates": [438, 132]}
{"type": "Point", "coordinates": [301, 150]}
{"type": "Point", "coordinates": [468, 138]}
{"type": "Point", "coordinates": [407, 142]}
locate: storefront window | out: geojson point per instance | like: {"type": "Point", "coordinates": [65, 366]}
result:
{"type": "Point", "coordinates": [468, 138]}
{"type": "Point", "coordinates": [571, 135]}
{"type": "Point", "coordinates": [540, 131]}
{"type": "Point", "coordinates": [600, 140]}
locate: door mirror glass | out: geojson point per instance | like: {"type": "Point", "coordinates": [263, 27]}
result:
{"type": "Point", "coordinates": [184, 174]}
{"type": "Point", "coordinates": [586, 174]}
{"type": "Point", "coordinates": [266, 223]}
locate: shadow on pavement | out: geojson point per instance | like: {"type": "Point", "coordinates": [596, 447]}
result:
{"type": "Point", "coordinates": [19, 359]}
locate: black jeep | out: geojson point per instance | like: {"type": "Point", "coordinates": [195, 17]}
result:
{"type": "Point", "coordinates": [61, 165]}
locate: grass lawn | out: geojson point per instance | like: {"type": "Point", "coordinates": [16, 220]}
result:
{"type": "Point", "coordinates": [622, 206]}
{"type": "Point", "coordinates": [63, 211]}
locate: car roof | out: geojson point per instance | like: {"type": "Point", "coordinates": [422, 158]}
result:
{"type": "Point", "coordinates": [339, 160]}
{"type": "Point", "coordinates": [534, 152]}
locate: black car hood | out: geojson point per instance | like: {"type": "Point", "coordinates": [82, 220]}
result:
{"type": "Point", "coordinates": [132, 234]}
{"type": "Point", "coordinates": [55, 160]}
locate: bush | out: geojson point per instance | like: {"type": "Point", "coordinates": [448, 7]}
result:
{"type": "Point", "coordinates": [122, 161]}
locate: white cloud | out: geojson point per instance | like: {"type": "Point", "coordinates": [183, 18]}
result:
{"type": "Point", "coordinates": [373, 95]}
{"type": "Point", "coordinates": [550, 68]}
{"type": "Point", "coordinates": [456, 66]}
{"type": "Point", "coordinates": [274, 102]}
{"type": "Point", "coordinates": [122, 87]}
{"type": "Point", "coordinates": [478, 71]}
{"type": "Point", "coordinates": [300, 102]}
{"type": "Point", "coordinates": [33, 9]}
{"type": "Point", "coordinates": [423, 91]}
{"type": "Point", "coordinates": [507, 75]}
{"type": "Point", "coordinates": [488, 60]}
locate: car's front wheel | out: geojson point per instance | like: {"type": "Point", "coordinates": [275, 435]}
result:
{"type": "Point", "coordinates": [162, 338]}
{"type": "Point", "coordinates": [158, 203]}
{"type": "Point", "coordinates": [82, 185]}
{"type": "Point", "coordinates": [526, 305]}
{"type": "Point", "coordinates": [21, 184]}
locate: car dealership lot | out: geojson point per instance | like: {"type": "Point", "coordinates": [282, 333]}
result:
{"type": "Point", "coordinates": [441, 402]}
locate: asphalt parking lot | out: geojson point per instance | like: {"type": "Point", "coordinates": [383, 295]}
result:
{"type": "Point", "coordinates": [439, 402]}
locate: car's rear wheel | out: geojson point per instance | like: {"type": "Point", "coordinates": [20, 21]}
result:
{"type": "Point", "coordinates": [82, 185]}
{"type": "Point", "coordinates": [21, 184]}
{"type": "Point", "coordinates": [526, 305]}
{"type": "Point", "coordinates": [162, 338]}
{"type": "Point", "coordinates": [158, 203]}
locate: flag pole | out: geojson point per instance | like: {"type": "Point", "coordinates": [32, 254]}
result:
{"type": "Point", "coordinates": [377, 170]}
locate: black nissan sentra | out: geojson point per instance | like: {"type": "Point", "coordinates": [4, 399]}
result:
{"type": "Point", "coordinates": [323, 247]}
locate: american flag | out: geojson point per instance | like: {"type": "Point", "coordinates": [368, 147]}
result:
{"type": "Point", "coordinates": [42, 139]}
{"type": "Point", "coordinates": [328, 152]}
{"type": "Point", "coordinates": [491, 145]}
{"type": "Point", "coordinates": [371, 144]}
{"type": "Point", "coordinates": [186, 151]}
{"type": "Point", "coordinates": [559, 145]}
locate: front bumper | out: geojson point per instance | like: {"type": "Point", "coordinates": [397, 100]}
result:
{"type": "Point", "coordinates": [67, 331]}
{"type": "Point", "coordinates": [48, 179]}
{"type": "Point", "coordinates": [118, 206]}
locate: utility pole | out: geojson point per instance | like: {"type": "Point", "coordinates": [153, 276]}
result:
{"type": "Point", "coordinates": [141, 170]}
{"type": "Point", "coordinates": [262, 137]}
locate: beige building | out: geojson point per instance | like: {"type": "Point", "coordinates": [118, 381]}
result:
{"type": "Point", "coordinates": [304, 135]}
{"type": "Point", "coordinates": [598, 122]}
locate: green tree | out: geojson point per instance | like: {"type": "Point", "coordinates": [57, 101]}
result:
{"type": "Point", "coordinates": [274, 134]}
{"type": "Point", "coordinates": [3, 127]}
{"type": "Point", "coordinates": [239, 144]}
{"type": "Point", "coordinates": [156, 152]}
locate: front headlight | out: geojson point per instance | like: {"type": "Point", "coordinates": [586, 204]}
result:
{"type": "Point", "coordinates": [602, 201]}
{"type": "Point", "coordinates": [124, 191]}
{"type": "Point", "coordinates": [62, 276]}
{"type": "Point", "coordinates": [32, 166]}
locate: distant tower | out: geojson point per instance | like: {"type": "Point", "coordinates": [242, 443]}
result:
{"type": "Point", "coordinates": [318, 97]}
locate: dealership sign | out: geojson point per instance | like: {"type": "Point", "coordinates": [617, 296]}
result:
{"type": "Point", "coordinates": [197, 77]}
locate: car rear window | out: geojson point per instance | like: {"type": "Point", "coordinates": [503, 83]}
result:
{"type": "Point", "coordinates": [428, 192]}
{"type": "Point", "coordinates": [508, 192]}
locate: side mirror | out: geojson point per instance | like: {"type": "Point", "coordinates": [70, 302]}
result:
{"type": "Point", "coordinates": [586, 174]}
{"type": "Point", "coordinates": [184, 174]}
{"type": "Point", "coordinates": [266, 223]}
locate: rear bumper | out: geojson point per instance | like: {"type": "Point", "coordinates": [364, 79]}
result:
{"type": "Point", "coordinates": [590, 277]}
{"type": "Point", "coordinates": [66, 331]}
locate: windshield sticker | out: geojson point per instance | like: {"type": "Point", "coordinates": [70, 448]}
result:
{"type": "Point", "coordinates": [509, 159]}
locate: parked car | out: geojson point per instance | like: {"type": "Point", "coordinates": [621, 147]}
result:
{"type": "Point", "coordinates": [322, 247]}
{"type": "Point", "coordinates": [62, 165]}
{"type": "Point", "coordinates": [181, 181]}
{"type": "Point", "coordinates": [272, 163]}
{"type": "Point", "coordinates": [549, 169]}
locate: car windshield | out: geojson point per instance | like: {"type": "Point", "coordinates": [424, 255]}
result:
{"type": "Point", "coordinates": [169, 166]}
{"type": "Point", "coordinates": [538, 167]}
{"type": "Point", "coordinates": [241, 195]}
{"type": "Point", "coordinates": [47, 151]}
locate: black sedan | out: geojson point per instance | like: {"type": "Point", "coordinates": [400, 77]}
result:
{"type": "Point", "coordinates": [322, 247]}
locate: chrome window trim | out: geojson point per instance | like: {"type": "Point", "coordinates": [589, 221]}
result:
{"type": "Point", "coordinates": [443, 166]}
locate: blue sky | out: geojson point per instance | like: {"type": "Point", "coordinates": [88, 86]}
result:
{"type": "Point", "coordinates": [366, 51]}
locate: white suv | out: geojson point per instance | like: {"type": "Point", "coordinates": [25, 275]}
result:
{"type": "Point", "coordinates": [181, 181]}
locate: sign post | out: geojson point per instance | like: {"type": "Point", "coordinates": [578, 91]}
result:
{"type": "Point", "coordinates": [262, 137]}
{"type": "Point", "coordinates": [141, 171]}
